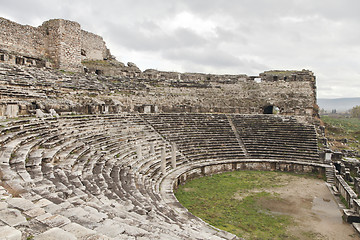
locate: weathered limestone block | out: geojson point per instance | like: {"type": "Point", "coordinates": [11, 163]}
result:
{"type": "Point", "coordinates": [84, 233]}
{"type": "Point", "coordinates": [9, 233]}
{"type": "Point", "coordinates": [20, 203]}
{"type": "Point", "coordinates": [53, 113]}
{"type": "Point", "coordinates": [55, 234]}
{"type": "Point", "coordinates": [139, 153]}
{"type": "Point", "coordinates": [12, 217]}
{"type": "Point", "coordinates": [12, 110]}
{"type": "Point", "coordinates": [39, 113]}
{"type": "Point", "coordinates": [173, 156]}
{"type": "Point", "coordinates": [53, 220]}
{"type": "Point", "coordinates": [163, 161]}
{"type": "Point", "coordinates": [3, 205]}
{"type": "Point", "coordinates": [111, 228]}
{"type": "Point", "coordinates": [35, 212]}
{"type": "Point", "coordinates": [152, 148]}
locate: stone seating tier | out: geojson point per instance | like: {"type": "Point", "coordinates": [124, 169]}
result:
{"type": "Point", "coordinates": [99, 176]}
{"type": "Point", "coordinates": [277, 137]}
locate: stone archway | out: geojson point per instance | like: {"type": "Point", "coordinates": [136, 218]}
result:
{"type": "Point", "coordinates": [271, 109]}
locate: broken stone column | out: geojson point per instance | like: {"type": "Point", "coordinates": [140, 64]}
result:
{"type": "Point", "coordinates": [163, 161]}
{"type": "Point", "coordinates": [53, 113]}
{"type": "Point", "coordinates": [139, 153]}
{"type": "Point", "coordinates": [147, 109]}
{"type": "Point", "coordinates": [40, 113]}
{"type": "Point", "coordinates": [173, 156]}
{"type": "Point", "coordinates": [152, 148]}
{"type": "Point", "coordinates": [342, 168]}
{"type": "Point", "coordinates": [12, 110]}
{"type": "Point", "coordinates": [328, 157]}
{"type": "Point", "coordinates": [347, 175]}
{"type": "Point", "coordinates": [357, 184]}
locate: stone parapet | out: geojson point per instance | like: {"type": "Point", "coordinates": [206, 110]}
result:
{"type": "Point", "coordinates": [345, 190]}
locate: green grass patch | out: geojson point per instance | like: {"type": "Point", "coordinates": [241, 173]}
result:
{"type": "Point", "coordinates": [343, 200]}
{"type": "Point", "coordinates": [340, 128]}
{"type": "Point", "coordinates": [342, 124]}
{"type": "Point", "coordinates": [234, 202]}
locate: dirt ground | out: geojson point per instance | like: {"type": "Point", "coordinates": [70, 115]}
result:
{"type": "Point", "coordinates": [313, 207]}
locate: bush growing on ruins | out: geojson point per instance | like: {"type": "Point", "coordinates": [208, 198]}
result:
{"type": "Point", "coordinates": [355, 112]}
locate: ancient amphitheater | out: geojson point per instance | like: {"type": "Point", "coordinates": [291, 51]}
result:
{"type": "Point", "coordinates": [94, 149]}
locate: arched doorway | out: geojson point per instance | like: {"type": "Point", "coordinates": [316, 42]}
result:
{"type": "Point", "coordinates": [271, 109]}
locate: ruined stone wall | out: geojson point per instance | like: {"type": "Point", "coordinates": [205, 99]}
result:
{"type": "Point", "coordinates": [93, 47]}
{"type": "Point", "coordinates": [292, 98]}
{"type": "Point", "coordinates": [57, 41]}
{"type": "Point", "coordinates": [68, 92]}
{"type": "Point", "coordinates": [63, 43]}
{"type": "Point", "coordinates": [295, 95]}
{"type": "Point", "coordinates": [153, 74]}
{"type": "Point", "coordinates": [22, 39]}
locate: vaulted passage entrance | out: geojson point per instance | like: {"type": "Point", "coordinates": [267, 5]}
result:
{"type": "Point", "coordinates": [271, 110]}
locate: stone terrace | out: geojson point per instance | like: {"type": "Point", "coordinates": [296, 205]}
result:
{"type": "Point", "coordinates": [219, 136]}
{"type": "Point", "coordinates": [104, 176]}
{"type": "Point", "coordinates": [277, 137]}
{"type": "Point", "coordinates": [198, 136]}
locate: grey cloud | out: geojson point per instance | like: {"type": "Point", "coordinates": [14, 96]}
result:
{"type": "Point", "coordinates": [201, 56]}
{"type": "Point", "coordinates": [249, 36]}
{"type": "Point", "coordinates": [216, 59]}
{"type": "Point", "coordinates": [141, 37]}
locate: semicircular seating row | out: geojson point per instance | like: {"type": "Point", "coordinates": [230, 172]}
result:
{"type": "Point", "coordinates": [98, 177]}
{"type": "Point", "coordinates": [220, 136]}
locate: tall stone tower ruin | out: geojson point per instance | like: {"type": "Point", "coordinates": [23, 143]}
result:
{"type": "Point", "coordinates": [57, 43]}
{"type": "Point", "coordinates": [63, 43]}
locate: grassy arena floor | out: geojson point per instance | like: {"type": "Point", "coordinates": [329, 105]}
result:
{"type": "Point", "coordinates": [238, 202]}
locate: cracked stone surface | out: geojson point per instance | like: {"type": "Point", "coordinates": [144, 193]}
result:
{"type": "Point", "coordinates": [12, 217]}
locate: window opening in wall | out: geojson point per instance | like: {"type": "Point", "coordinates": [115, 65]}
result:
{"type": "Point", "coordinates": [19, 60]}
{"type": "Point", "coordinates": [98, 72]}
{"type": "Point", "coordinates": [271, 110]}
{"type": "Point", "coordinates": [2, 57]}
{"type": "Point", "coordinates": [275, 78]}
{"type": "Point", "coordinates": [337, 167]}
{"type": "Point", "coordinates": [268, 110]}
{"type": "Point", "coordinates": [83, 52]}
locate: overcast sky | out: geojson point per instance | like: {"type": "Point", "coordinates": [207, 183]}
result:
{"type": "Point", "coordinates": [220, 36]}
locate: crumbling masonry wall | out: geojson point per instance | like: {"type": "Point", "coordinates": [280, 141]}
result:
{"type": "Point", "coordinates": [93, 47]}
{"type": "Point", "coordinates": [63, 44]}
{"type": "Point", "coordinates": [23, 39]}
{"type": "Point", "coordinates": [245, 95]}
{"type": "Point", "coordinates": [58, 42]}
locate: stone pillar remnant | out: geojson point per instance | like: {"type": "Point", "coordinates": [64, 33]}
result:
{"type": "Point", "coordinates": [152, 148]}
{"type": "Point", "coordinates": [173, 156]}
{"type": "Point", "coordinates": [139, 153]}
{"type": "Point", "coordinates": [163, 160]}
